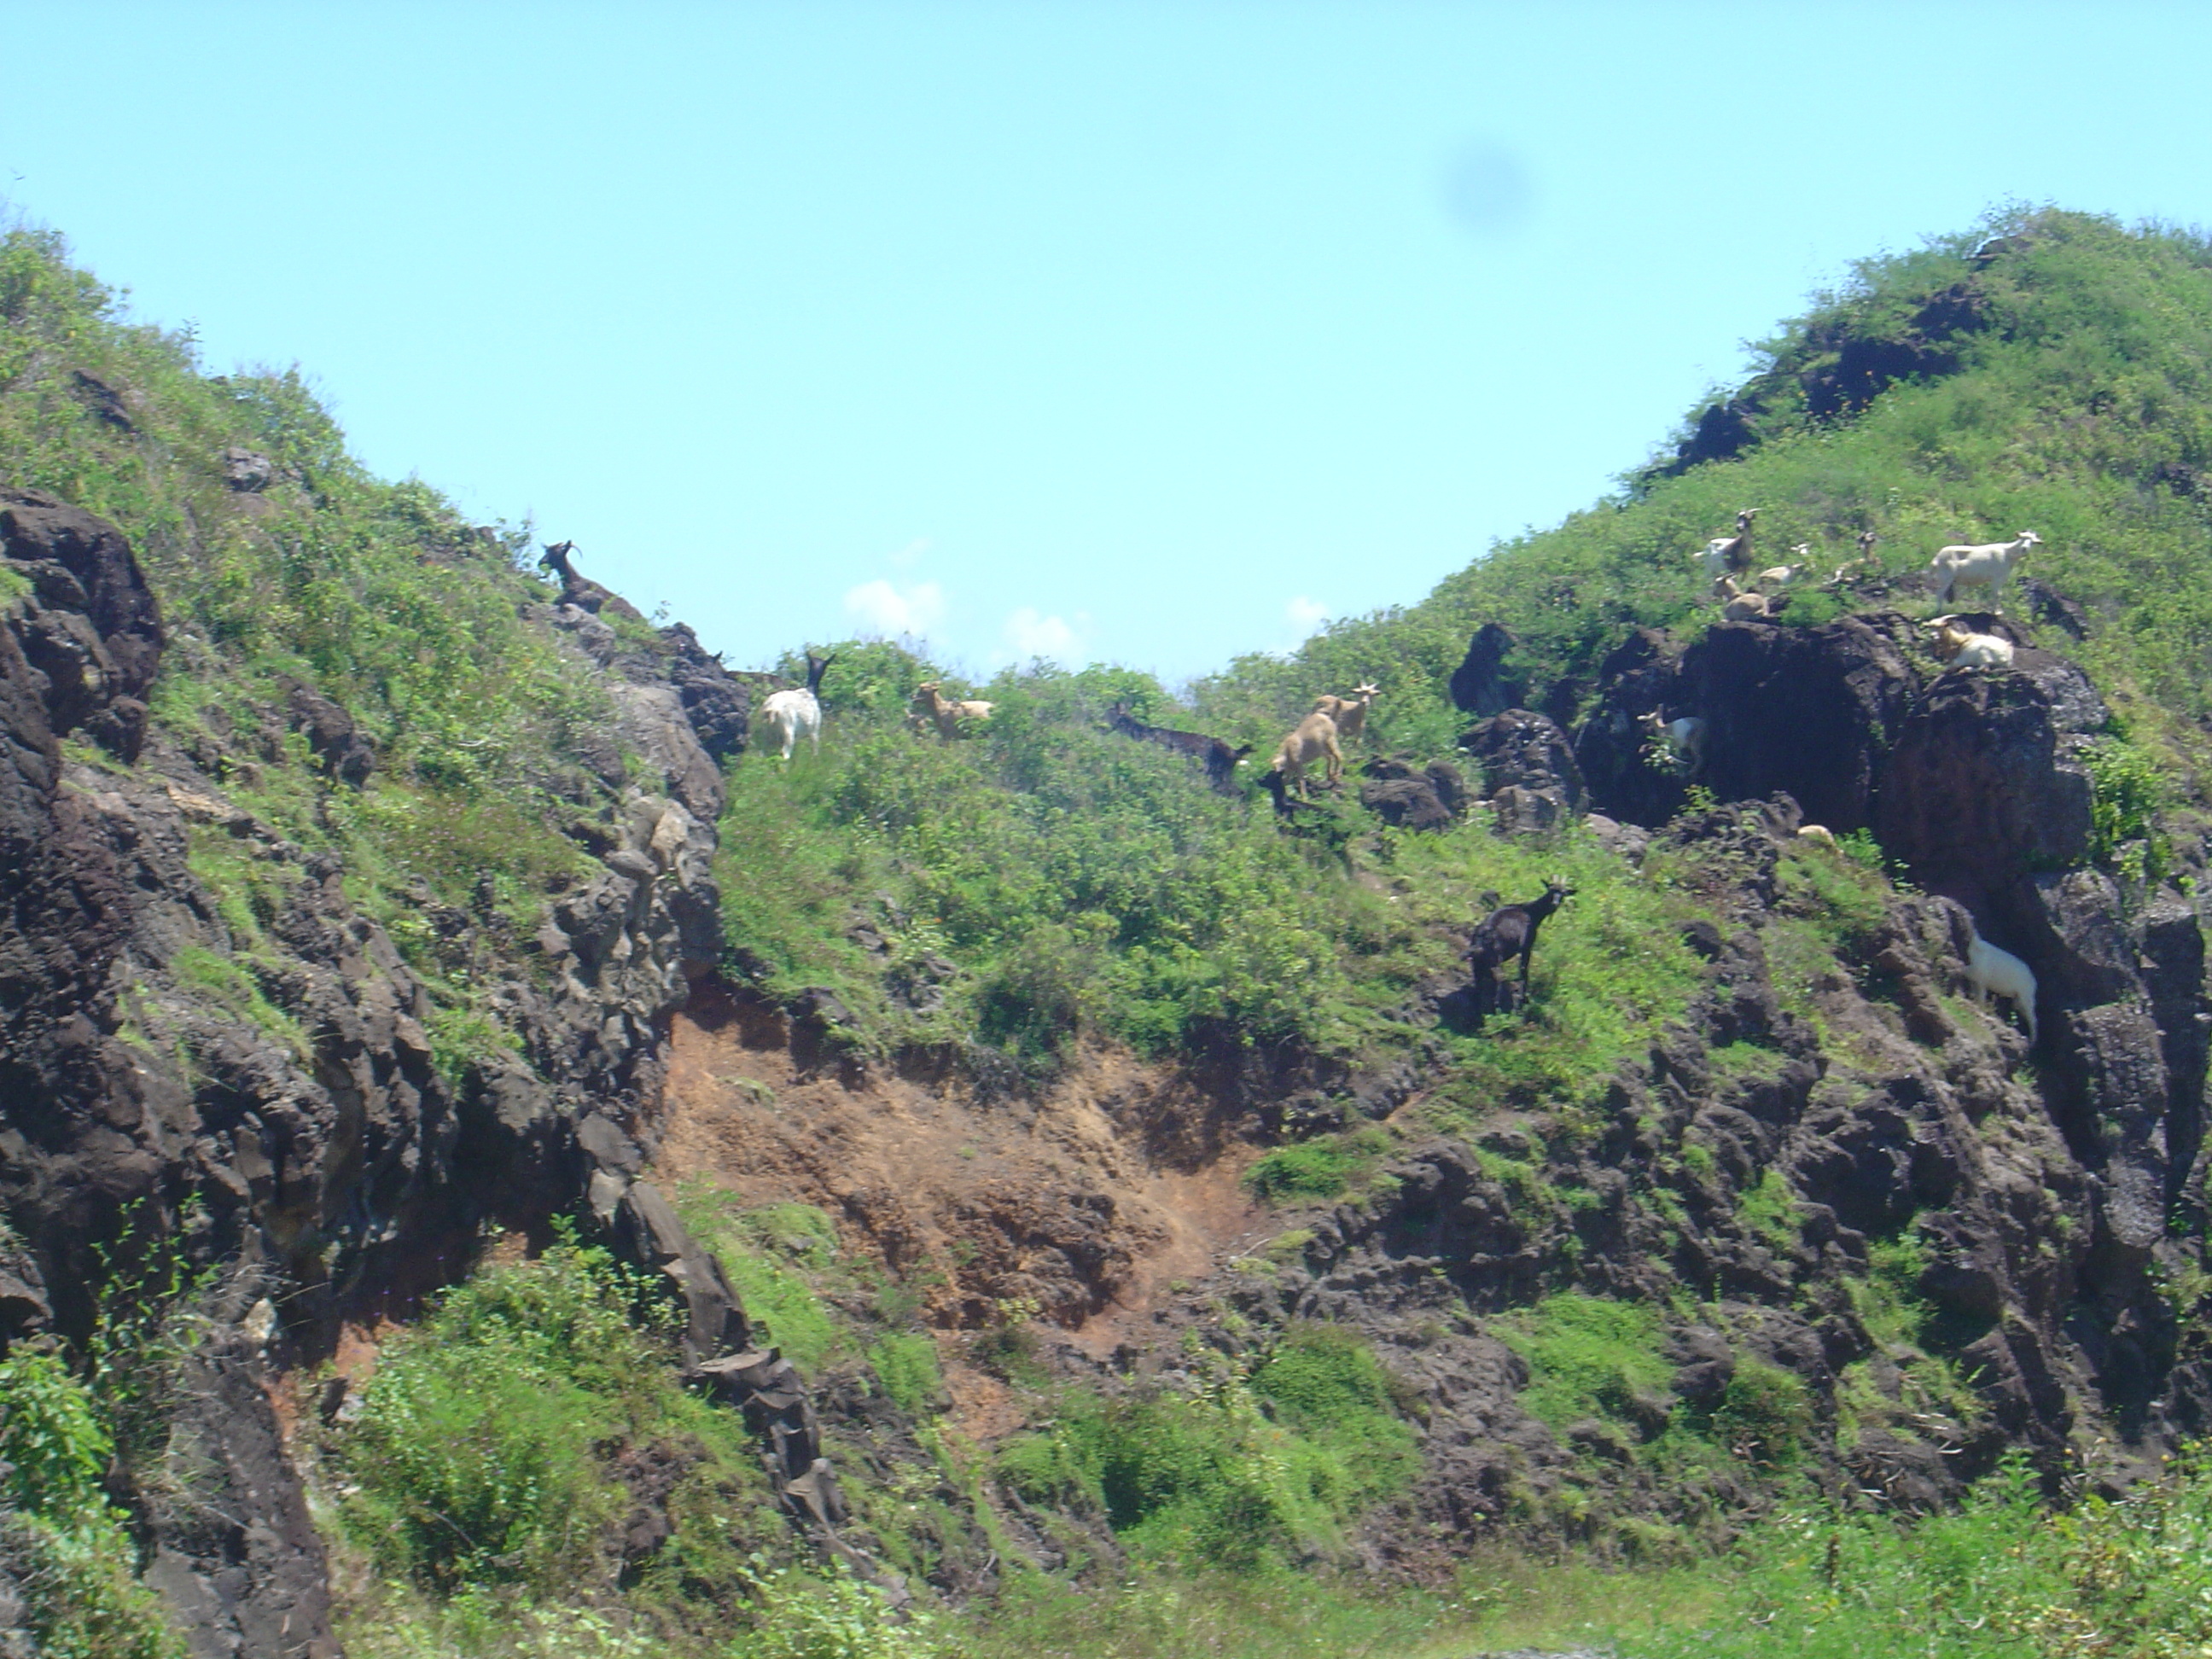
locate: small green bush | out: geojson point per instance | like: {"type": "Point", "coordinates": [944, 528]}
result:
{"type": "Point", "coordinates": [71, 1553]}
{"type": "Point", "coordinates": [475, 1450]}
{"type": "Point", "coordinates": [906, 1364]}
{"type": "Point", "coordinates": [1308, 1170]}
{"type": "Point", "coordinates": [1587, 1357]}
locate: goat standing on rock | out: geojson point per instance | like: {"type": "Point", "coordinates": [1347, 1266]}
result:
{"type": "Point", "coordinates": [1984, 564]}
{"type": "Point", "coordinates": [792, 714]}
{"type": "Point", "coordinates": [1504, 933]}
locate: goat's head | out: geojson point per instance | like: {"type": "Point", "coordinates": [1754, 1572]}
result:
{"type": "Point", "coordinates": [555, 557]}
{"type": "Point", "coordinates": [1743, 521]}
{"type": "Point", "coordinates": [1802, 550]}
{"type": "Point", "coordinates": [1556, 893]}
{"type": "Point", "coordinates": [2029, 538]}
{"type": "Point", "coordinates": [816, 666]}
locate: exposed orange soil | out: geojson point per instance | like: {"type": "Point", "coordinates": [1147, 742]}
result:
{"type": "Point", "coordinates": [1085, 1204]}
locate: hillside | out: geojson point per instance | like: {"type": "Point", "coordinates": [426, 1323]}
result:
{"type": "Point", "coordinates": [495, 1163]}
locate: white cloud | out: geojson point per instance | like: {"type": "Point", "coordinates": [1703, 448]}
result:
{"type": "Point", "coordinates": [1030, 635]}
{"type": "Point", "coordinates": [1306, 615]}
{"type": "Point", "coordinates": [881, 608]}
{"type": "Point", "coordinates": [911, 553]}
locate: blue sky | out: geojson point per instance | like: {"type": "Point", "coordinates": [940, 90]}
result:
{"type": "Point", "coordinates": [1150, 333]}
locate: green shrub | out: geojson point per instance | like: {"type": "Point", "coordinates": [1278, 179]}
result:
{"type": "Point", "coordinates": [67, 1546]}
{"type": "Point", "coordinates": [2127, 789]}
{"type": "Point", "coordinates": [475, 1450]}
{"type": "Point", "coordinates": [1769, 1212]}
{"type": "Point", "coordinates": [832, 1617]}
{"type": "Point", "coordinates": [906, 1365]}
{"type": "Point", "coordinates": [1308, 1170]}
{"type": "Point", "coordinates": [1587, 1357]}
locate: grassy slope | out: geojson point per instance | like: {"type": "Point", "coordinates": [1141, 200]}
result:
{"type": "Point", "coordinates": [376, 594]}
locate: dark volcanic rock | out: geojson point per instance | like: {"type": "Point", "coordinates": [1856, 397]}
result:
{"type": "Point", "coordinates": [1398, 795]}
{"type": "Point", "coordinates": [235, 1553]}
{"type": "Point", "coordinates": [1479, 684]}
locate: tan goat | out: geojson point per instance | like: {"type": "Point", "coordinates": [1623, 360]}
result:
{"type": "Point", "coordinates": [1350, 712]}
{"type": "Point", "coordinates": [1314, 740]}
{"type": "Point", "coordinates": [934, 708]}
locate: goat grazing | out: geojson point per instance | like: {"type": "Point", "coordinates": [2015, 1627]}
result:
{"type": "Point", "coordinates": [1506, 933]}
{"type": "Point", "coordinates": [1314, 739]}
{"type": "Point", "coordinates": [1350, 712]}
{"type": "Point", "coordinates": [1984, 564]}
{"type": "Point", "coordinates": [794, 713]}
{"type": "Point", "coordinates": [1219, 760]}
{"type": "Point", "coordinates": [1685, 739]}
{"type": "Point", "coordinates": [1738, 605]}
{"type": "Point", "coordinates": [1961, 649]}
{"type": "Point", "coordinates": [930, 707]}
{"type": "Point", "coordinates": [1996, 972]}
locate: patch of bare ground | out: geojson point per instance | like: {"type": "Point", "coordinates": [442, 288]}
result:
{"type": "Point", "coordinates": [1082, 1205]}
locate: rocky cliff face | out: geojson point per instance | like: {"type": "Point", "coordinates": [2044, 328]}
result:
{"type": "Point", "coordinates": [284, 1109]}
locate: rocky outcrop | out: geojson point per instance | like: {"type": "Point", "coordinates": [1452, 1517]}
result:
{"type": "Point", "coordinates": [1480, 685]}
{"type": "Point", "coordinates": [287, 1084]}
{"type": "Point", "coordinates": [1528, 772]}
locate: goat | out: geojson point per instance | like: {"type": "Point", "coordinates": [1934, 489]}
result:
{"type": "Point", "coordinates": [1685, 739]}
{"type": "Point", "coordinates": [1781, 575]}
{"type": "Point", "coordinates": [933, 708]}
{"type": "Point", "coordinates": [1219, 760]}
{"type": "Point", "coordinates": [1964, 650]}
{"type": "Point", "coordinates": [1314, 739]}
{"type": "Point", "coordinates": [1996, 972]}
{"type": "Point", "coordinates": [792, 713]}
{"type": "Point", "coordinates": [1817, 835]}
{"type": "Point", "coordinates": [1506, 933]}
{"type": "Point", "coordinates": [1735, 550]}
{"type": "Point", "coordinates": [581, 591]}
{"type": "Point", "coordinates": [1737, 606]}
{"type": "Point", "coordinates": [1350, 712]}
{"type": "Point", "coordinates": [1984, 564]}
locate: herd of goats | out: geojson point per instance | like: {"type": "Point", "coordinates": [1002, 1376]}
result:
{"type": "Point", "coordinates": [1509, 931]}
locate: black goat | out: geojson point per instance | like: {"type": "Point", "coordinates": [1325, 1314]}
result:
{"type": "Point", "coordinates": [1506, 933]}
{"type": "Point", "coordinates": [1217, 756]}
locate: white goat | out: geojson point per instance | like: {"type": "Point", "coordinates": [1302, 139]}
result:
{"type": "Point", "coordinates": [1685, 739]}
{"type": "Point", "coordinates": [1781, 575]}
{"type": "Point", "coordinates": [1817, 835]}
{"type": "Point", "coordinates": [1964, 650]}
{"type": "Point", "coordinates": [792, 715]}
{"type": "Point", "coordinates": [1997, 972]}
{"type": "Point", "coordinates": [1984, 564]}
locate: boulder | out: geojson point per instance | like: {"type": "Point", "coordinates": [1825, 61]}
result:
{"type": "Point", "coordinates": [1479, 684]}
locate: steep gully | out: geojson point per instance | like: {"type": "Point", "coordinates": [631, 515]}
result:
{"type": "Point", "coordinates": [2056, 1189]}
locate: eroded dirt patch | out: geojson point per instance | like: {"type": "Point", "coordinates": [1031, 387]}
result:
{"type": "Point", "coordinates": [1065, 1206]}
